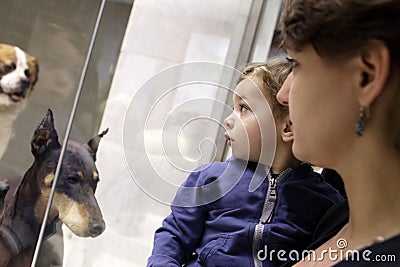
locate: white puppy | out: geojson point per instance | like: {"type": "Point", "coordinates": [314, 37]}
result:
{"type": "Point", "coordinates": [18, 75]}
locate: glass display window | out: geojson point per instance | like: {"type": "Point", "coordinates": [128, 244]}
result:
{"type": "Point", "coordinates": [158, 75]}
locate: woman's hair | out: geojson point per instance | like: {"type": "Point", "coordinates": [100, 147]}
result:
{"type": "Point", "coordinates": [273, 75]}
{"type": "Point", "coordinates": [338, 28]}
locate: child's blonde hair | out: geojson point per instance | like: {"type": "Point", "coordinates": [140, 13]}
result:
{"type": "Point", "coordinates": [273, 75]}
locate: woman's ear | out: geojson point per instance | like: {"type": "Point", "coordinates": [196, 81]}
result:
{"type": "Point", "coordinates": [375, 69]}
{"type": "Point", "coordinates": [286, 130]}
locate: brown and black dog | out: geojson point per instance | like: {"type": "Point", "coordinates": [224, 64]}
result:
{"type": "Point", "coordinates": [74, 202]}
{"type": "Point", "coordinates": [18, 75]}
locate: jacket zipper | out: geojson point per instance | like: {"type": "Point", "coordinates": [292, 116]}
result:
{"type": "Point", "coordinates": [266, 215]}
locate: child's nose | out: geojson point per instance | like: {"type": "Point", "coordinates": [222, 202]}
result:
{"type": "Point", "coordinates": [229, 121]}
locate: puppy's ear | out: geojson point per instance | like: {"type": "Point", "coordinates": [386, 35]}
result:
{"type": "Point", "coordinates": [93, 144]}
{"type": "Point", "coordinates": [34, 68]}
{"type": "Point", "coordinates": [37, 72]}
{"type": "Point", "coordinates": [45, 136]}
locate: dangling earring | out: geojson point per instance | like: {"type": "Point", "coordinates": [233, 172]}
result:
{"type": "Point", "coordinates": [360, 125]}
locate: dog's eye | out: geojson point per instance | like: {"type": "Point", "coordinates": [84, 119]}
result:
{"type": "Point", "coordinates": [9, 68]}
{"type": "Point", "coordinates": [27, 73]}
{"type": "Point", "coordinates": [73, 179]}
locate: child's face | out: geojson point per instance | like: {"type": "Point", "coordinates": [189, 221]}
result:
{"type": "Point", "coordinates": [250, 127]}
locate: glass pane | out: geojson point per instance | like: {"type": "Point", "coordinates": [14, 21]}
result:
{"type": "Point", "coordinates": [160, 35]}
{"type": "Point", "coordinates": [58, 34]}
{"type": "Point", "coordinates": [59, 42]}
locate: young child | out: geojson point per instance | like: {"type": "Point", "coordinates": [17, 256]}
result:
{"type": "Point", "coordinates": [248, 227]}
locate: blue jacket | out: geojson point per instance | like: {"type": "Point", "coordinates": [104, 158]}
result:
{"type": "Point", "coordinates": [241, 228]}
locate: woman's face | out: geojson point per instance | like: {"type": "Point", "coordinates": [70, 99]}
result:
{"type": "Point", "coordinates": [323, 106]}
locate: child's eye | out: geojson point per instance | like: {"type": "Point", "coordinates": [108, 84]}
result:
{"type": "Point", "coordinates": [243, 108]}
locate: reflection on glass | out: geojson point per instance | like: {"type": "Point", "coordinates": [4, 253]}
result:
{"type": "Point", "coordinates": [57, 33]}
{"type": "Point", "coordinates": [160, 35]}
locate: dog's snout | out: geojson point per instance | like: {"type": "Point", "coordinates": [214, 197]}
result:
{"type": "Point", "coordinates": [4, 187]}
{"type": "Point", "coordinates": [97, 228]}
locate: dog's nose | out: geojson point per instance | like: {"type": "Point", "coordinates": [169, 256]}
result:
{"type": "Point", "coordinates": [24, 83]}
{"type": "Point", "coordinates": [4, 187]}
{"type": "Point", "coordinates": [97, 228]}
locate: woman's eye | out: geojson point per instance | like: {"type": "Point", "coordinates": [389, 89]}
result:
{"type": "Point", "coordinates": [293, 63]}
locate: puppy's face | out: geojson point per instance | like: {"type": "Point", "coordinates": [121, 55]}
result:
{"type": "Point", "coordinates": [18, 74]}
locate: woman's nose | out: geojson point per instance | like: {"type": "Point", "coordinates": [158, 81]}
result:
{"type": "Point", "coordinates": [283, 94]}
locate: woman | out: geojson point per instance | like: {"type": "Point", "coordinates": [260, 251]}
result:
{"type": "Point", "coordinates": [344, 100]}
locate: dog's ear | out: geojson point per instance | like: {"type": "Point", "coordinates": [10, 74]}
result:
{"type": "Point", "coordinates": [45, 136]}
{"type": "Point", "coordinates": [93, 144]}
{"type": "Point", "coordinates": [36, 67]}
